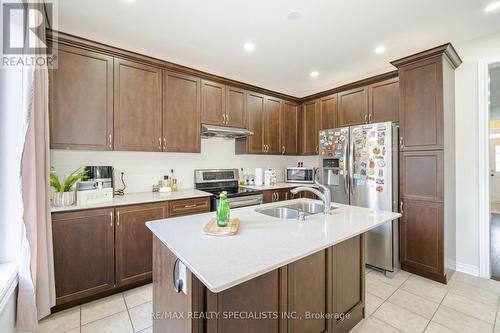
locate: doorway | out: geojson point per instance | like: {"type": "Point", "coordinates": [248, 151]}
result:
{"type": "Point", "coordinates": [494, 167]}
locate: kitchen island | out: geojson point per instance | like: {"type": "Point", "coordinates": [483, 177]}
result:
{"type": "Point", "coordinates": [275, 275]}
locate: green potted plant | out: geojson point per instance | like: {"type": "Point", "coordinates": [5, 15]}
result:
{"type": "Point", "coordinates": [64, 195]}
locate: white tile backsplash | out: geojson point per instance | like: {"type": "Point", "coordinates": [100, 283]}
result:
{"type": "Point", "coordinates": [143, 169]}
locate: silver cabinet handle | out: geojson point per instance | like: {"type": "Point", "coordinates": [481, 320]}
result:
{"type": "Point", "coordinates": [159, 144]}
{"type": "Point", "coordinates": [283, 150]}
{"type": "Point", "coordinates": [370, 117]}
{"type": "Point", "coordinates": [401, 205]}
{"type": "Point", "coordinates": [366, 118]}
{"type": "Point", "coordinates": [317, 149]}
{"type": "Point", "coordinates": [118, 219]}
{"type": "Point", "coordinates": [164, 143]}
{"type": "Point", "coordinates": [401, 142]}
{"type": "Point", "coordinates": [110, 139]}
{"type": "Point", "coordinates": [227, 119]}
{"type": "Point", "coordinates": [263, 148]}
{"type": "Point", "coordinates": [110, 219]}
{"type": "Point", "coordinates": [223, 118]}
{"type": "Point", "coordinates": [190, 206]}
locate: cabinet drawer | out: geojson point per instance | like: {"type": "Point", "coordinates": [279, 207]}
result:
{"type": "Point", "coordinates": [188, 206]}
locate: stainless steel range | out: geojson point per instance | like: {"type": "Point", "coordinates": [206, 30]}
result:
{"type": "Point", "coordinates": [217, 180]}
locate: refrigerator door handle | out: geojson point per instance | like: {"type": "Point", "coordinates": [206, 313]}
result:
{"type": "Point", "coordinates": [351, 165]}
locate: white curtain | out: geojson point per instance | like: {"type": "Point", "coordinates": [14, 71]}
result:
{"type": "Point", "coordinates": [36, 274]}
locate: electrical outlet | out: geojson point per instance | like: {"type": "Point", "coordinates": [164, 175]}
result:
{"type": "Point", "coordinates": [183, 276]}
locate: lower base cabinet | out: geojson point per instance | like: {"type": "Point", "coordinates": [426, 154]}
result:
{"type": "Point", "coordinates": [321, 293]}
{"type": "Point", "coordinates": [101, 251]}
{"type": "Point", "coordinates": [284, 194]}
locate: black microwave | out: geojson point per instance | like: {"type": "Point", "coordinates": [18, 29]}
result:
{"type": "Point", "coordinates": [299, 175]}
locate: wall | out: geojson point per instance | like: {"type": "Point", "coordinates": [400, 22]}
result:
{"type": "Point", "coordinates": [143, 169]}
{"type": "Point", "coordinates": [8, 314]}
{"type": "Point", "coordinates": [467, 145]}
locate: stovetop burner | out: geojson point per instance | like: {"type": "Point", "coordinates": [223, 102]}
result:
{"type": "Point", "coordinates": [217, 180]}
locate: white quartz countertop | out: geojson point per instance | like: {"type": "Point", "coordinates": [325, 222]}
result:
{"type": "Point", "coordinates": [278, 186]}
{"type": "Point", "coordinates": [138, 198]}
{"type": "Point", "coordinates": [262, 244]}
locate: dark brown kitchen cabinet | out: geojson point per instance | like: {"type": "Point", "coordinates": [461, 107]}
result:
{"type": "Point", "coordinates": [421, 175]}
{"type": "Point", "coordinates": [181, 113]}
{"type": "Point", "coordinates": [254, 144]}
{"type": "Point", "coordinates": [213, 103]}
{"type": "Point", "coordinates": [427, 162]}
{"type": "Point", "coordinates": [134, 242]}
{"type": "Point", "coordinates": [421, 105]}
{"type": "Point", "coordinates": [328, 112]}
{"type": "Point", "coordinates": [383, 101]}
{"type": "Point", "coordinates": [236, 114]}
{"type": "Point", "coordinates": [309, 132]}
{"type": "Point", "coordinates": [353, 107]}
{"type": "Point", "coordinates": [422, 237]}
{"type": "Point", "coordinates": [81, 100]}
{"type": "Point", "coordinates": [188, 206]}
{"type": "Point", "coordinates": [137, 106]}
{"type": "Point", "coordinates": [290, 129]}
{"type": "Point", "coordinates": [275, 195]}
{"type": "Point", "coordinates": [348, 276]}
{"type": "Point", "coordinates": [272, 126]}
{"type": "Point", "coordinates": [316, 272]}
{"type": "Point", "coordinates": [83, 245]}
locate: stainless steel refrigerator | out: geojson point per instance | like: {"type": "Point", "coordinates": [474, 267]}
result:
{"type": "Point", "coordinates": [360, 166]}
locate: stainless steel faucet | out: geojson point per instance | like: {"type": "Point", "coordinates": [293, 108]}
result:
{"type": "Point", "coordinates": [325, 196]}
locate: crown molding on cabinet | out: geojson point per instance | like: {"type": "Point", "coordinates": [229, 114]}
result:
{"type": "Point", "coordinates": [446, 49]}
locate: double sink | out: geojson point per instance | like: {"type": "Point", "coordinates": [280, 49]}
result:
{"type": "Point", "coordinates": [293, 210]}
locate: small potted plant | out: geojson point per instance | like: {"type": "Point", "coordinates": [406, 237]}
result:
{"type": "Point", "coordinates": [64, 195]}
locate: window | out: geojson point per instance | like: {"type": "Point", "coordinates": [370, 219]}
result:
{"type": "Point", "coordinates": [497, 158]}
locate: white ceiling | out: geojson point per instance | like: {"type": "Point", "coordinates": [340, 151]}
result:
{"type": "Point", "coordinates": [335, 37]}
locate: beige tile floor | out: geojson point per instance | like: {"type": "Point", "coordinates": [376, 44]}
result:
{"type": "Point", "coordinates": [409, 303]}
{"type": "Point", "coordinates": [405, 303]}
{"type": "Point", "coordinates": [126, 312]}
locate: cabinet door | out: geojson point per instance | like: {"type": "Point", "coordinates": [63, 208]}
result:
{"type": "Point", "coordinates": [213, 103]}
{"type": "Point", "coordinates": [422, 241]}
{"type": "Point", "coordinates": [421, 105]}
{"type": "Point", "coordinates": [83, 244]}
{"type": "Point", "coordinates": [134, 242]}
{"type": "Point", "coordinates": [81, 100]}
{"type": "Point", "coordinates": [353, 107]}
{"type": "Point", "coordinates": [348, 282]}
{"type": "Point", "coordinates": [384, 101]}
{"type": "Point", "coordinates": [188, 206]}
{"type": "Point", "coordinates": [313, 271]}
{"type": "Point", "coordinates": [290, 129]}
{"type": "Point", "coordinates": [273, 125]}
{"type": "Point", "coordinates": [422, 175]}
{"type": "Point", "coordinates": [137, 106]}
{"type": "Point", "coordinates": [181, 113]}
{"type": "Point", "coordinates": [282, 195]}
{"type": "Point", "coordinates": [328, 112]}
{"type": "Point", "coordinates": [268, 196]}
{"type": "Point", "coordinates": [236, 114]}
{"type": "Point", "coordinates": [309, 129]}
{"type": "Point", "coordinates": [255, 121]}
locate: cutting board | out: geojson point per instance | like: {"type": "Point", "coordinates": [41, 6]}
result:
{"type": "Point", "coordinates": [212, 229]}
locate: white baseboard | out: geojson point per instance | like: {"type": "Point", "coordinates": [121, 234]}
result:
{"type": "Point", "coordinates": [466, 268]}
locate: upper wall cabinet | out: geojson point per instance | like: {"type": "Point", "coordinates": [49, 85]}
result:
{"type": "Point", "coordinates": [383, 101]}
{"type": "Point", "coordinates": [236, 114]}
{"type": "Point", "coordinates": [81, 100]}
{"type": "Point", "coordinates": [309, 133]}
{"type": "Point", "coordinates": [353, 107]}
{"type": "Point", "coordinates": [181, 113]}
{"type": "Point", "coordinates": [421, 112]}
{"type": "Point", "coordinates": [328, 112]}
{"type": "Point", "coordinates": [290, 130]}
{"type": "Point", "coordinates": [255, 120]}
{"type": "Point", "coordinates": [272, 126]}
{"type": "Point", "coordinates": [213, 103]}
{"type": "Point", "coordinates": [137, 106]}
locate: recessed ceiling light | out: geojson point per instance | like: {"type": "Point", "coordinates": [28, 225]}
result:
{"type": "Point", "coordinates": [128, 1]}
{"type": "Point", "coordinates": [249, 46]}
{"type": "Point", "coordinates": [492, 7]}
{"type": "Point", "coordinates": [380, 49]}
{"type": "Point", "coordinates": [314, 74]}
{"type": "Point", "coordinates": [293, 15]}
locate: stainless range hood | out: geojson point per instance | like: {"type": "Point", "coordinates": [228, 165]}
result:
{"type": "Point", "coordinates": [214, 131]}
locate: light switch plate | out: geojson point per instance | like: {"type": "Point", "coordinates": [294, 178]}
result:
{"type": "Point", "coordinates": [183, 276]}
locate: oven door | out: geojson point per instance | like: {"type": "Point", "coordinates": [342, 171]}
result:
{"type": "Point", "coordinates": [300, 175]}
{"type": "Point", "coordinates": [243, 201]}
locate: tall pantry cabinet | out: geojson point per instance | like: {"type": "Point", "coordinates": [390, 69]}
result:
{"type": "Point", "coordinates": [427, 162]}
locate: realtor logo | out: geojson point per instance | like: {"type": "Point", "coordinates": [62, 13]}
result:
{"type": "Point", "coordinates": [23, 28]}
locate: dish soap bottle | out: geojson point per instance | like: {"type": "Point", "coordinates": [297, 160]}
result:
{"type": "Point", "coordinates": [223, 210]}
